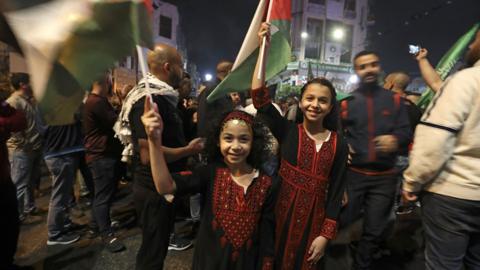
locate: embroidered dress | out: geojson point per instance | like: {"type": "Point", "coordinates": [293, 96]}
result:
{"type": "Point", "coordinates": [237, 227]}
{"type": "Point", "coordinates": [312, 185]}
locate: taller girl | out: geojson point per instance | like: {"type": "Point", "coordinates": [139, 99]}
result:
{"type": "Point", "coordinates": [313, 162]}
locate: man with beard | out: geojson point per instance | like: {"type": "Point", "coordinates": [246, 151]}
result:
{"type": "Point", "coordinates": [155, 212]}
{"type": "Point", "coordinates": [376, 126]}
{"type": "Point", "coordinates": [444, 166]}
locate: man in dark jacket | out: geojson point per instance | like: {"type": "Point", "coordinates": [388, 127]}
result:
{"type": "Point", "coordinates": [376, 126]}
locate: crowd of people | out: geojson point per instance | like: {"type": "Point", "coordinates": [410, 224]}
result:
{"type": "Point", "coordinates": [267, 185]}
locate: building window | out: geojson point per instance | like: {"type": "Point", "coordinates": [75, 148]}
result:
{"type": "Point", "coordinates": [315, 38]}
{"type": "Point", "coordinates": [350, 9]}
{"type": "Point", "coordinates": [165, 27]}
{"type": "Point", "coordinates": [340, 47]}
{"type": "Point", "coordinates": [318, 2]}
{"type": "Point", "coordinates": [350, 5]}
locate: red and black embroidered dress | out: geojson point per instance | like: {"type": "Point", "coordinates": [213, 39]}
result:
{"type": "Point", "coordinates": [237, 230]}
{"type": "Point", "coordinates": [312, 186]}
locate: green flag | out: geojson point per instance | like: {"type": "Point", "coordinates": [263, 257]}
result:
{"type": "Point", "coordinates": [68, 44]}
{"type": "Point", "coordinates": [447, 62]}
{"type": "Point", "coordinates": [279, 51]}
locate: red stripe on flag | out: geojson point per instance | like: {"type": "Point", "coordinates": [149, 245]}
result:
{"type": "Point", "coordinates": [281, 10]}
{"type": "Point", "coordinates": [148, 4]}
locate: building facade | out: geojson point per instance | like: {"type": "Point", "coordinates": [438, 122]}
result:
{"type": "Point", "coordinates": [166, 29]}
{"type": "Point", "coordinates": [325, 35]}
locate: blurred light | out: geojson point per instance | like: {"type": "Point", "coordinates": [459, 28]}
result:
{"type": "Point", "coordinates": [338, 34]}
{"type": "Point", "coordinates": [208, 77]}
{"type": "Point", "coordinates": [304, 35]}
{"type": "Point", "coordinates": [353, 79]}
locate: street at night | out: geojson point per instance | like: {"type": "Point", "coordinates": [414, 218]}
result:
{"type": "Point", "coordinates": [240, 134]}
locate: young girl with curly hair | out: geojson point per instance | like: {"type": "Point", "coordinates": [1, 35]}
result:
{"type": "Point", "coordinates": [237, 227]}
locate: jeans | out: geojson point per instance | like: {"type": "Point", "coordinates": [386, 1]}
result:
{"type": "Point", "coordinates": [63, 170]}
{"type": "Point", "coordinates": [86, 182]}
{"type": "Point", "coordinates": [452, 232]}
{"type": "Point", "coordinates": [375, 196]}
{"type": "Point", "coordinates": [25, 169]}
{"type": "Point", "coordinates": [195, 206]}
{"type": "Point", "coordinates": [105, 182]}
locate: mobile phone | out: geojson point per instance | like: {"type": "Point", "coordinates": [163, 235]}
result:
{"type": "Point", "coordinates": [413, 49]}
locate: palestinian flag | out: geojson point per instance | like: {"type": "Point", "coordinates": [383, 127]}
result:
{"type": "Point", "coordinates": [278, 13]}
{"type": "Point", "coordinates": [69, 43]}
{"type": "Point", "coordinates": [447, 62]}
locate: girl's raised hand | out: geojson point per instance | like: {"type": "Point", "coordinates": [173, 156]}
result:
{"type": "Point", "coordinates": [264, 31]}
{"type": "Point", "coordinates": [152, 120]}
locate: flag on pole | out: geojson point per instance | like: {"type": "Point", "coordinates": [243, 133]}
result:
{"type": "Point", "coordinates": [447, 62]}
{"type": "Point", "coordinates": [67, 44]}
{"type": "Point", "coordinates": [279, 52]}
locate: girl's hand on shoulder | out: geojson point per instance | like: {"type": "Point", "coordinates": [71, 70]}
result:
{"type": "Point", "coordinates": [152, 120]}
{"type": "Point", "coordinates": [317, 249]}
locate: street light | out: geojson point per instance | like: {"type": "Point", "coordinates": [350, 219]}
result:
{"type": "Point", "coordinates": [353, 79]}
{"type": "Point", "coordinates": [208, 77]}
{"type": "Point", "coordinates": [304, 35]}
{"type": "Point", "coordinates": [338, 34]}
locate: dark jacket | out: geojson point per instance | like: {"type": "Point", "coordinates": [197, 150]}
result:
{"type": "Point", "coordinates": [64, 139]}
{"type": "Point", "coordinates": [371, 112]}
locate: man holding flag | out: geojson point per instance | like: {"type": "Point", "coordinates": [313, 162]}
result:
{"type": "Point", "coordinates": [156, 212]}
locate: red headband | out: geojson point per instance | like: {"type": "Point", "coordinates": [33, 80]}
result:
{"type": "Point", "coordinates": [239, 115]}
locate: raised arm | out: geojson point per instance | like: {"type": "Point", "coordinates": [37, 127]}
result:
{"type": "Point", "coordinates": [258, 80]}
{"type": "Point", "coordinates": [429, 74]}
{"type": "Point", "coordinates": [260, 95]}
{"type": "Point", "coordinates": [153, 123]}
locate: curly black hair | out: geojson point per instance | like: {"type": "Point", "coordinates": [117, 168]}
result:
{"type": "Point", "coordinates": [331, 120]}
{"type": "Point", "coordinates": [261, 148]}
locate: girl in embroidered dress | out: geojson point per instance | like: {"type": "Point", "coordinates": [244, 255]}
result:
{"type": "Point", "coordinates": [237, 227]}
{"type": "Point", "coordinates": [313, 161]}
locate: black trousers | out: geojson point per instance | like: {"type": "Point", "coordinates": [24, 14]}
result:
{"type": "Point", "coordinates": [86, 174]}
{"type": "Point", "coordinates": [9, 223]}
{"type": "Point", "coordinates": [374, 196]}
{"type": "Point", "coordinates": [156, 218]}
{"type": "Point", "coordinates": [452, 232]}
{"type": "Point", "coordinates": [105, 183]}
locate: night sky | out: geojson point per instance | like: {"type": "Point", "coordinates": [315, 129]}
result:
{"type": "Point", "coordinates": [215, 29]}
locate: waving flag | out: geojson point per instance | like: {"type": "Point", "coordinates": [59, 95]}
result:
{"type": "Point", "coordinates": [69, 43]}
{"type": "Point", "coordinates": [279, 52]}
{"type": "Point", "coordinates": [447, 62]}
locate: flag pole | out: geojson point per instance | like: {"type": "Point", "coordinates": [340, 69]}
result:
{"type": "Point", "coordinates": [264, 44]}
{"type": "Point", "coordinates": [144, 69]}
